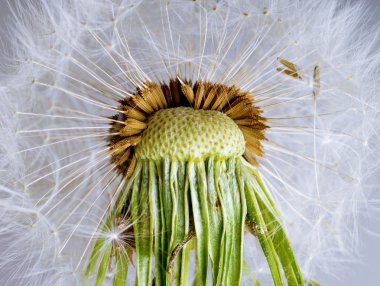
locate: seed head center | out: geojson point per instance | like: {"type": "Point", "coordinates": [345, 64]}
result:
{"type": "Point", "coordinates": [187, 134]}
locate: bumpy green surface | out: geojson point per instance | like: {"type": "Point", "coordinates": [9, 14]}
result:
{"type": "Point", "coordinates": [186, 134]}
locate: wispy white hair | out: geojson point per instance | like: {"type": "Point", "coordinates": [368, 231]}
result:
{"type": "Point", "coordinates": [67, 64]}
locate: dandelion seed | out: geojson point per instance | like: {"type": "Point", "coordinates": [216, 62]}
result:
{"type": "Point", "coordinates": [179, 142]}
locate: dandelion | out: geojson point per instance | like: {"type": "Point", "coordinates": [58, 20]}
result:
{"type": "Point", "coordinates": [178, 142]}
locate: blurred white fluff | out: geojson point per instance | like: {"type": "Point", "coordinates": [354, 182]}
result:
{"type": "Point", "coordinates": [68, 63]}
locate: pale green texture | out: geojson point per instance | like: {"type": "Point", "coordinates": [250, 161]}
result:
{"type": "Point", "coordinates": [204, 206]}
{"type": "Point", "coordinates": [186, 134]}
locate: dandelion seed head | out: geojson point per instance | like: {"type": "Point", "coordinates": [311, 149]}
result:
{"type": "Point", "coordinates": [71, 63]}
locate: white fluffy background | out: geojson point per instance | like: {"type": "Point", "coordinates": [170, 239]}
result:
{"type": "Point", "coordinates": [330, 231]}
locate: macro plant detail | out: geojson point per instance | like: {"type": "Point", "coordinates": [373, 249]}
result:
{"type": "Point", "coordinates": [181, 145]}
{"type": "Point", "coordinates": [185, 142]}
{"type": "Point", "coordinates": [133, 119]}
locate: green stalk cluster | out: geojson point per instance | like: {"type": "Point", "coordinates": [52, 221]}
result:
{"type": "Point", "coordinates": [203, 206]}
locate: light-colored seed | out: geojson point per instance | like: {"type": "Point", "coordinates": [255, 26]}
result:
{"type": "Point", "coordinates": [128, 131]}
{"type": "Point", "coordinates": [142, 104]}
{"type": "Point", "coordinates": [254, 147]}
{"type": "Point", "coordinates": [137, 124]}
{"type": "Point", "coordinates": [210, 97]}
{"type": "Point", "coordinates": [199, 94]}
{"type": "Point", "coordinates": [289, 72]}
{"type": "Point", "coordinates": [222, 97]}
{"type": "Point", "coordinates": [124, 157]}
{"type": "Point", "coordinates": [133, 113]}
{"type": "Point", "coordinates": [288, 64]}
{"type": "Point", "coordinates": [188, 92]}
{"type": "Point", "coordinates": [317, 82]}
{"type": "Point", "coordinates": [250, 157]}
{"type": "Point", "coordinates": [131, 167]}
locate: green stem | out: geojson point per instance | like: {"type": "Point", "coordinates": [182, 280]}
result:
{"type": "Point", "coordinates": [198, 192]}
{"type": "Point", "coordinates": [269, 230]}
{"type": "Point", "coordinates": [121, 268]}
{"type": "Point", "coordinates": [104, 262]}
{"type": "Point", "coordinates": [143, 228]}
{"type": "Point", "coordinates": [173, 204]}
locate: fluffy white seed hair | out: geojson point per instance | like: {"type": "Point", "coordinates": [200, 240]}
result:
{"type": "Point", "coordinates": [67, 63]}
